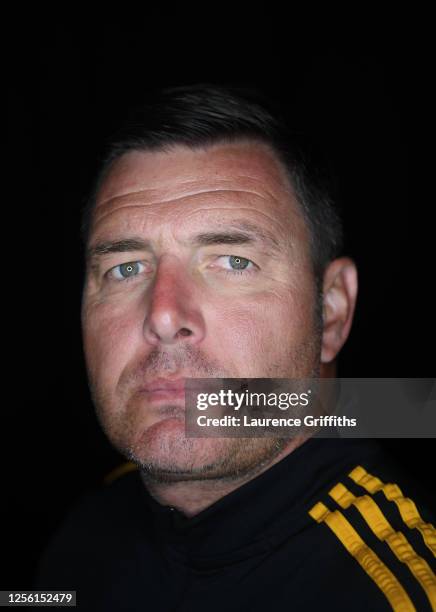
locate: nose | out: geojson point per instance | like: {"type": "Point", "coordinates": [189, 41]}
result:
{"type": "Point", "coordinates": [173, 314]}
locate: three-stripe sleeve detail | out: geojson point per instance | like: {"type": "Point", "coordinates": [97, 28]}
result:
{"type": "Point", "coordinates": [365, 556]}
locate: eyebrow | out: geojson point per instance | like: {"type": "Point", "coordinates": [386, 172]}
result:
{"type": "Point", "coordinates": [238, 233]}
{"type": "Point", "coordinates": [242, 232]}
{"type": "Point", "coordinates": [117, 246]}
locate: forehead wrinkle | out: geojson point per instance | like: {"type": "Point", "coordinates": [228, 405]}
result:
{"type": "Point", "coordinates": [181, 185]}
{"type": "Point", "coordinates": [271, 242]}
{"type": "Point", "coordinates": [135, 196]}
{"type": "Point", "coordinates": [232, 222]}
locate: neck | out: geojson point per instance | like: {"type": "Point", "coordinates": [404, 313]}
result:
{"type": "Point", "coordinates": [192, 497]}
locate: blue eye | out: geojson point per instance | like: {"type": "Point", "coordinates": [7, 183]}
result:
{"type": "Point", "coordinates": [234, 264]}
{"type": "Point", "coordinates": [127, 270]}
{"type": "Point", "coordinates": [238, 263]}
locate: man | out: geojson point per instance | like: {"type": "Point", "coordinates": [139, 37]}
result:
{"type": "Point", "coordinates": [213, 251]}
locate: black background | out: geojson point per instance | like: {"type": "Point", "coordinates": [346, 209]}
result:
{"type": "Point", "coordinates": [360, 101]}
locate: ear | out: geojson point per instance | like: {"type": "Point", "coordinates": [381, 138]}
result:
{"type": "Point", "coordinates": [339, 301]}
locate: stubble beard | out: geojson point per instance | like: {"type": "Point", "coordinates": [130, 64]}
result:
{"type": "Point", "coordinates": [163, 452]}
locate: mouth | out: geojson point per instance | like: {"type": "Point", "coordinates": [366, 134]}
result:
{"type": "Point", "coordinates": [164, 389]}
{"type": "Point", "coordinates": [175, 389]}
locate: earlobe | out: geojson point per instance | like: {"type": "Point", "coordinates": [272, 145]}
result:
{"type": "Point", "coordinates": [339, 301]}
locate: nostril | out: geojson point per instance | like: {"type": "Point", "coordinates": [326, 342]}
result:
{"type": "Point", "coordinates": [185, 332]}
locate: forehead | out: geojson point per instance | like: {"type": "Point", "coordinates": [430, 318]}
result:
{"type": "Point", "coordinates": [181, 184]}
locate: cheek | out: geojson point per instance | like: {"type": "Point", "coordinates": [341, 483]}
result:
{"type": "Point", "coordinates": [110, 337]}
{"type": "Point", "coordinates": [263, 328]}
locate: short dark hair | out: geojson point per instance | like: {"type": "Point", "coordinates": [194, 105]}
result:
{"type": "Point", "coordinates": [205, 114]}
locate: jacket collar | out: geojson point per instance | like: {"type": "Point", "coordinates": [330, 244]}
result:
{"type": "Point", "coordinates": [262, 512]}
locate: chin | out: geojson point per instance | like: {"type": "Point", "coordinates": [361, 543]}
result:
{"type": "Point", "coordinates": [164, 448]}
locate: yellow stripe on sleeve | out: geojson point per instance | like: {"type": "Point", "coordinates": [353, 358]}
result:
{"type": "Point", "coordinates": [365, 556]}
{"type": "Point", "coordinates": [122, 469]}
{"type": "Point", "coordinates": [407, 508]}
{"type": "Point", "coordinates": [396, 540]}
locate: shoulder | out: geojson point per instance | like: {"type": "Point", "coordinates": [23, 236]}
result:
{"type": "Point", "coordinates": [98, 527]}
{"type": "Point", "coordinates": [375, 522]}
{"type": "Point", "coordinates": [109, 502]}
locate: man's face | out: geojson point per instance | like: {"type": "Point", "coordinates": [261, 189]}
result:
{"type": "Point", "coordinates": [199, 266]}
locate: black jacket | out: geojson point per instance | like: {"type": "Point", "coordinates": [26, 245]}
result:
{"type": "Point", "coordinates": [330, 527]}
